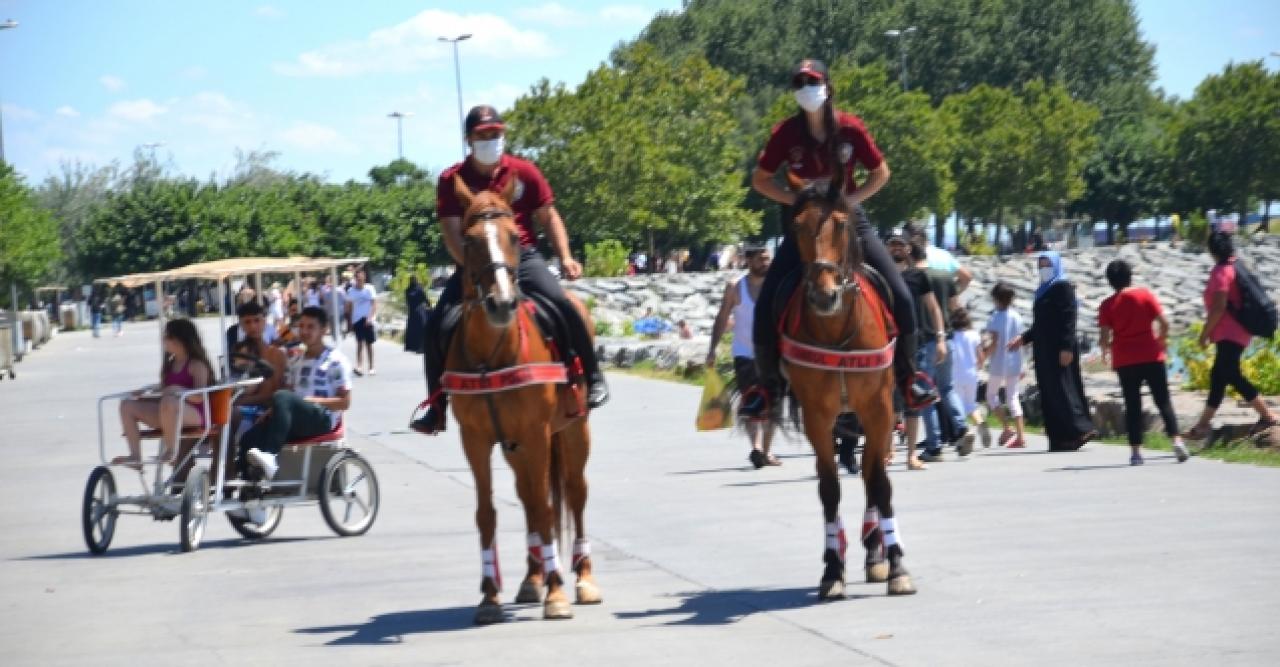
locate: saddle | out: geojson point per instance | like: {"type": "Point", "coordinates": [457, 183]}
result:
{"type": "Point", "coordinates": [787, 291]}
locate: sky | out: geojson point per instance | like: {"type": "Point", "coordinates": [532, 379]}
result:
{"type": "Point", "coordinates": [92, 81]}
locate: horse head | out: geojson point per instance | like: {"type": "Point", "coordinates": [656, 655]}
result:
{"type": "Point", "coordinates": [822, 228]}
{"type": "Point", "coordinates": [491, 251]}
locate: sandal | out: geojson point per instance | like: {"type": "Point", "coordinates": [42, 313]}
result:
{"type": "Point", "coordinates": [771, 460]}
{"type": "Point", "coordinates": [127, 461]}
{"type": "Point", "coordinates": [1198, 432]}
{"type": "Point", "coordinates": [1262, 425]}
{"type": "Point", "coordinates": [915, 463]}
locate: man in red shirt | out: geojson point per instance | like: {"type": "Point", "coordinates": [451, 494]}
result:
{"type": "Point", "coordinates": [489, 167]}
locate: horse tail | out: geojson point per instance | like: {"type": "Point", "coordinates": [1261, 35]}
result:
{"type": "Point", "coordinates": [557, 478]}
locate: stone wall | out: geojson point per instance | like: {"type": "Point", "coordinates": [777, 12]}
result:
{"type": "Point", "coordinates": [1176, 276]}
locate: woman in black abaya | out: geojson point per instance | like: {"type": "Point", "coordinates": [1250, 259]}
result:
{"type": "Point", "coordinates": [1057, 358]}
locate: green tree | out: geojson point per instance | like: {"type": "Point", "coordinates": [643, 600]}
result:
{"type": "Point", "coordinates": [1224, 147]}
{"type": "Point", "coordinates": [29, 247]}
{"type": "Point", "coordinates": [644, 152]}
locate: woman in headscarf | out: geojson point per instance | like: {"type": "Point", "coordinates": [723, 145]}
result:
{"type": "Point", "coordinates": [418, 305]}
{"type": "Point", "coordinates": [1057, 357]}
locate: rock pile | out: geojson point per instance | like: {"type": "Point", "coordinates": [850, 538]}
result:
{"type": "Point", "coordinates": [1175, 275]}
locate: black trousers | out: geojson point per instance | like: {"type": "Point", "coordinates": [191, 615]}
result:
{"type": "Point", "coordinates": [1131, 381]}
{"type": "Point", "coordinates": [1226, 371]}
{"type": "Point", "coordinates": [292, 418]}
{"type": "Point", "coordinates": [533, 277]}
{"type": "Point", "coordinates": [765, 327]}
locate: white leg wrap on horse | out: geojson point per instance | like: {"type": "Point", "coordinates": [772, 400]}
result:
{"type": "Point", "coordinates": [581, 551]}
{"type": "Point", "coordinates": [836, 540]}
{"type": "Point", "coordinates": [490, 569]}
{"type": "Point", "coordinates": [549, 563]}
{"type": "Point", "coordinates": [889, 528]}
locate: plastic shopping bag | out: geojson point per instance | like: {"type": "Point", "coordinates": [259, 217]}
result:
{"type": "Point", "coordinates": [715, 409]}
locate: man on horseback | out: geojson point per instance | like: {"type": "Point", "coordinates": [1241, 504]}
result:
{"type": "Point", "coordinates": [490, 168]}
{"type": "Point", "coordinates": [808, 144]}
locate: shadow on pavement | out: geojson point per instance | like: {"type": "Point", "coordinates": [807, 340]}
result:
{"type": "Point", "coordinates": [391, 628]}
{"type": "Point", "coordinates": [722, 607]}
{"type": "Point", "coordinates": [171, 548]}
{"type": "Point", "coordinates": [1112, 466]}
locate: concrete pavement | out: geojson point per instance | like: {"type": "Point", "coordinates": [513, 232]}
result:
{"type": "Point", "coordinates": [1020, 557]}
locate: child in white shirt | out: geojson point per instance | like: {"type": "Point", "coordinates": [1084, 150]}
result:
{"type": "Point", "coordinates": [1005, 365]}
{"type": "Point", "coordinates": [967, 357]}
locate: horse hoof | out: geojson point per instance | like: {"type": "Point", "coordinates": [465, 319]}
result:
{"type": "Point", "coordinates": [831, 590]}
{"type": "Point", "coordinates": [530, 593]}
{"type": "Point", "coordinates": [587, 593]}
{"type": "Point", "coordinates": [901, 586]}
{"type": "Point", "coordinates": [488, 614]}
{"type": "Point", "coordinates": [557, 610]}
{"type": "Point", "coordinates": [877, 573]}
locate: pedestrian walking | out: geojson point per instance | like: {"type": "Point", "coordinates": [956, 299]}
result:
{"type": "Point", "coordinates": [967, 357]}
{"type": "Point", "coordinates": [1137, 354]}
{"type": "Point", "coordinates": [362, 304]}
{"type": "Point", "coordinates": [1056, 352]}
{"type": "Point", "coordinates": [1221, 294]}
{"type": "Point", "coordinates": [1005, 367]}
{"type": "Point", "coordinates": [419, 308]}
{"type": "Point", "coordinates": [737, 310]}
{"type": "Point", "coordinates": [928, 317]}
{"type": "Point", "coordinates": [117, 313]}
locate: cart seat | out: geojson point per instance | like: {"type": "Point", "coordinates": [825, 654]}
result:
{"type": "Point", "coordinates": [336, 435]}
{"type": "Point", "coordinates": [188, 433]}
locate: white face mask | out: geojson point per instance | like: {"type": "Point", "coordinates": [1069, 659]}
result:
{"type": "Point", "coordinates": [1046, 274]}
{"type": "Point", "coordinates": [811, 98]}
{"type": "Point", "coordinates": [488, 151]}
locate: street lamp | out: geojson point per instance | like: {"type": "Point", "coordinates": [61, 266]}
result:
{"type": "Point", "coordinates": [901, 36]}
{"type": "Point", "coordinates": [9, 23]}
{"type": "Point", "coordinates": [400, 116]}
{"type": "Point", "coordinates": [457, 76]}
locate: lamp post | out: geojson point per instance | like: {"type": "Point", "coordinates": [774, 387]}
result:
{"type": "Point", "coordinates": [457, 77]}
{"type": "Point", "coordinates": [151, 149]}
{"type": "Point", "coordinates": [9, 23]}
{"type": "Point", "coordinates": [901, 36]}
{"type": "Point", "coordinates": [400, 116]}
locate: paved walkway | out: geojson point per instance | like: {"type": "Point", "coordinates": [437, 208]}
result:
{"type": "Point", "coordinates": [1020, 557]}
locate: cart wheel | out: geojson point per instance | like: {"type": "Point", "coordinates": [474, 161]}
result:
{"type": "Point", "coordinates": [349, 495]}
{"type": "Point", "coordinates": [98, 517]}
{"type": "Point", "coordinates": [253, 531]}
{"type": "Point", "coordinates": [195, 509]}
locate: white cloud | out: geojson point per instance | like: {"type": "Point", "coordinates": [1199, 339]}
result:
{"type": "Point", "coordinates": [67, 111]}
{"type": "Point", "coordinates": [407, 46]}
{"type": "Point", "coordinates": [625, 14]}
{"type": "Point", "coordinates": [268, 12]}
{"type": "Point", "coordinates": [111, 82]}
{"type": "Point", "coordinates": [14, 112]}
{"type": "Point", "coordinates": [193, 73]}
{"type": "Point", "coordinates": [315, 137]}
{"type": "Point", "coordinates": [214, 112]}
{"type": "Point", "coordinates": [499, 95]}
{"type": "Point", "coordinates": [553, 14]}
{"type": "Point", "coordinates": [136, 110]}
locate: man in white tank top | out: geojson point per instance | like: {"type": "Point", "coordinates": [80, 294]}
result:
{"type": "Point", "coordinates": [739, 305]}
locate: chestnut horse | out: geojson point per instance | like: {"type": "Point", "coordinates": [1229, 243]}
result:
{"type": "Point", "coordinates": [837, 338]}
{"type": "Point", "coordinates": [546, 449]}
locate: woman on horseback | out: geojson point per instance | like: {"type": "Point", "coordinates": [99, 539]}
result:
{"type": "Point", "coordinates": [810, 144]}
{"type": "Point", "coordinates": [489, 167]}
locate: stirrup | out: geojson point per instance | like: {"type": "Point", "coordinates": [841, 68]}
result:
{"type": "Point", "coordinates": [434, 420]}
{"type": "Point", "coordinates": [920, 392]}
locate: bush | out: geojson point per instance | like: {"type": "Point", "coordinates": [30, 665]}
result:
{"type": "Point", "coordinates": [1194, 230]}
{"type": "Point", "coordinates": [975, 244]}
{"type": "Point", "coordinates": [1261, 362]}
{"type": "Point", "coordinates": [629, 328]}
{"type": "Point", "coordinates": [606, 259]}
{"type": "Point", "coordinates": [603, 328]}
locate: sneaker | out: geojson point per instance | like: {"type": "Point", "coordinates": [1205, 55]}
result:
{"type": "Point", "coordinates": [965, 445]}
{"type": "Point", "coordinates": [984, 432]}
{"type": "Point", "coordinates": [1005, 436]}
{"type": "Point", "coordinates": [373, 371]}
{"type": "Point", "coordinates": [1017, 444]}
{"type": "Point", "coordinates": [258, 515]}
{"type": "Point", "coordinates": [1136, 460]}
{"type": "Point", "coordinates": [1180, 450]}
{"type": "Point", "coordinates": [265, 461]}
{"type": "Point", "coordinates": [357, 372]}
{"type": "Point", "coordinates": [757, 459]}
{"type": "Point", "coordinates": [931, 457]}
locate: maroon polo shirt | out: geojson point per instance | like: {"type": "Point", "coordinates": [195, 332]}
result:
{"type": "Point", "coordinates": [532, 191]}
{"type": "Point", "coordinates": [790, 145]}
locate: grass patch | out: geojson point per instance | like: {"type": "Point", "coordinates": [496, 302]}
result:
{"type": "Point", "coordinates": [649, 369]}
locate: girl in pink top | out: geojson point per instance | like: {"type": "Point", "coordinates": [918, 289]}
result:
{"type": "Point", "coordinates": [1229, 338]}
{"type": "Point", "coordinates": [186, 366]}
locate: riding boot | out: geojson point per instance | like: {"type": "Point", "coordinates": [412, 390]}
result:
{"type": "Point", "coordinates": [435, 419]}
{"type": "Point", "coordinates": [918, 390]}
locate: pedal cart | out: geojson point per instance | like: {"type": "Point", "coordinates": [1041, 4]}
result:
{"type": "Point", "coordinates": [322, 469]}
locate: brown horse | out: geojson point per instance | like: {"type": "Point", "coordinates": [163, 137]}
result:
{"type": "Point", "coordinates": [837, 353]}
{"type": "Point", "coordinates": [517, 406]}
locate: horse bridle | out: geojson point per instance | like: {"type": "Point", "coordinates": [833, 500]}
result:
{"type": "Point", "coordinates": [843, 271]}
{"type": "Point", "coordinates": [488, 215]}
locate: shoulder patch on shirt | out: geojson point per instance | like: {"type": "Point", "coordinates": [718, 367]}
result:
{"type": "Point", "coordinates": [846, 152]}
